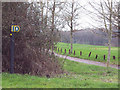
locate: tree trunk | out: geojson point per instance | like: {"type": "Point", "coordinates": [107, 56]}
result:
{"type": "Point", "coordinates": [71, 36]}
{"type": "Point", "coordinates": [53, 15]}
{"type": "Point", "coordinates": [109, 36]}
{"type": "Point", "coordinates": [71, 41]}
{"type": "Point", "coordinates": [109, 50]}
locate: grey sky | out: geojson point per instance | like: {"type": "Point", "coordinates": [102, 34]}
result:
{"type": "Point", "coordinates": [85, 20]}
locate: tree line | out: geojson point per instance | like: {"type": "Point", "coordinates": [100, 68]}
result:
{"type": "Point", "coordinates": [86, 36]}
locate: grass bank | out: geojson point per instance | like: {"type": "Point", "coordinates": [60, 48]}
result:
{"type": "Point", "coordinates": [86, 49]}
{"type": "Point", "coordinates": [79, 75]}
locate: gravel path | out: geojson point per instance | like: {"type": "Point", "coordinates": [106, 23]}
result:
{"type": "Point", "coordinates": [86, 61]}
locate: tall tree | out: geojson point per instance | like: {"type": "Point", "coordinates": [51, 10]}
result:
{"type": "Point", "coordinates": [105, 11]}
{"type": "Point", "coordinates": [53, 20]}
{"type": "Point", "coordinates": [71, 15]}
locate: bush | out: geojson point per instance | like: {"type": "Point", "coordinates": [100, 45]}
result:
{"type": "Point", "coordinates": [31, 46]}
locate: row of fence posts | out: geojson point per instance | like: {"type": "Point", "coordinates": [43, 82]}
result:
{"type": "Point", "coordinates": [81, 53]}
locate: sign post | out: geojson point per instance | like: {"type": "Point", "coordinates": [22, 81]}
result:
{"type": "Point", "coordinates": [14, 28]}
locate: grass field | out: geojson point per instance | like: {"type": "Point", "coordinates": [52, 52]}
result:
{"type": "Point", "coordinates": [86, 49]}
{"type": "Point", "coordinates": [79, 76]}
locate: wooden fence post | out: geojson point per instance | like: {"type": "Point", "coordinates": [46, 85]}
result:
{"type": "Point", "coordinates": [104, 57]}
{"type": "Point", "coordinates": [61, 50]}
{"type": "Point", "coordinates": [74, 52]}
{"type": "Point", "coordinates": [80, 53]}
{"type": "Point", "coordinates": [89, 54]}
{"type": "Point", "coordinates": [69, 51]}
{"type": "Point", "coordinates": [114, 57]}
{"type": "Point", "coordinates": [65, 51]}
{"type": "Point", "coordinates": [96, 56]}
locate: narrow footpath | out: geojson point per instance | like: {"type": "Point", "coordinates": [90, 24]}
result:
{"type": "Point", "coordinates": [86, 61]}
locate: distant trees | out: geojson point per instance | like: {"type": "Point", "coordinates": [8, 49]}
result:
{"type": "Point", "coordinates": [85, 37]}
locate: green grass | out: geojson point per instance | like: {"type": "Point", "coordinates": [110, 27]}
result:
{"type": "Point", "coordinates": [86, 49]}
{"type": "Point", "coordinates": [80, 76]}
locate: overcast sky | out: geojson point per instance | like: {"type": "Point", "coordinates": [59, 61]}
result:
{"type": "Point", "coordinates": [86, 19]}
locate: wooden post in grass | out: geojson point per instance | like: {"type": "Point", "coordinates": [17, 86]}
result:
{"type": "Point", "coordinates": [104, 57]}
{"type": "Point", "coordinates": [65, 51]}
{"type": "Point", "coordinates": [69, 51]}
{"type": "Point", "coordinates": [58, 49]}
{"type": "Point", "coordinates": [61, 50]}
{"type": "Point", "coordinates": [89, 54]}
{"type": "Point", "coordinates": [96, 56]}
{"type": "Point", "coordinates": [114, 57]}
{"type": "Point", "coordinates": [80, 53]}
{"type": "Point", "coordinates": [74, 52]}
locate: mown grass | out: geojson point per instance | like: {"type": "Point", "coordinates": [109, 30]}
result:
{"type": "Point", "coordinates": [86, 49]}
{"type": "Point", "coordinates": [79, 76]}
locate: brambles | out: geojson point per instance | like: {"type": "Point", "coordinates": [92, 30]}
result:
{"type": "Point", "coordinates": [31, 44]}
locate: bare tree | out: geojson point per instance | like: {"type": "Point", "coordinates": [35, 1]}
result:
{"type": "Point", "coordinates": [54, 10]}
{"type": "Point", "coordinates": [71, 14]}
{"type": "Point", "coordinates": [52, 26]}
{"type": "Point", "coordinates": [105, 11]}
